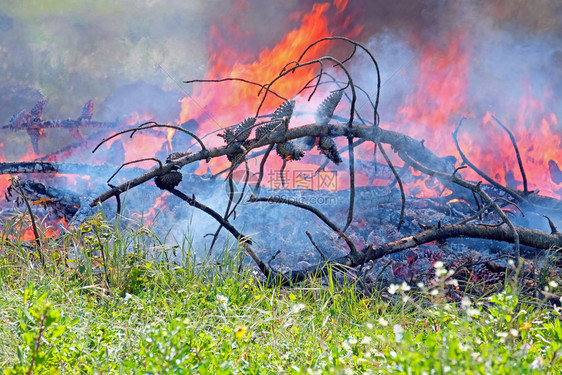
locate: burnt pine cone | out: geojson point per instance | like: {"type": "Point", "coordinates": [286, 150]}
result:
{"type": "Point", "coordinates": [282, 113]}
{"type": "Point", "coordinates": [284, 110]}
{"type": "Point", "coordinates": [168, 181]}
{"type": "Point", "coordinates": [326, 109]}
{"type": "Point", "coordinates": [268, 128]}
{"type": "Point", "coordinates": [244, 129]}
{"type": "Point", "coordinates": [228, 136]}
{"type": "Point", "coordinates": [37, 110]}
{"type": "Point", "coordinates": [289, 151]}
{"type": "Point", "coordinates": [328, 147]}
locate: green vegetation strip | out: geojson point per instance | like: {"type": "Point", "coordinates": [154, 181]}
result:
{"type": "Point", "coordinates": [109, 301]}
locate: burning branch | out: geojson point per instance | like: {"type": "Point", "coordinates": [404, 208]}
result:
{"type": "Point", "coordinates": [258, 135]}
{"type": "Point", "coordinates": [38, 246]}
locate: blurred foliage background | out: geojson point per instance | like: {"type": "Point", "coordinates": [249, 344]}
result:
{"type": "Point", "coordinates": [73, 51]}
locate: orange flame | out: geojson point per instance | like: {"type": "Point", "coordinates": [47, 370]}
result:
{"type": "Point", "coordinates": [224, 104]}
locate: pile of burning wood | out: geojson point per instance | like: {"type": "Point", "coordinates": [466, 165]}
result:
{"type": "Point", "coordinates": [377, 221]}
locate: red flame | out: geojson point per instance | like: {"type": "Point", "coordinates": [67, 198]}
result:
{"type": "Point", "coordinates": [224, 104]}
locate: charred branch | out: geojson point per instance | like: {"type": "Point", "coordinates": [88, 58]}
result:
{"type": "Point", "coordinates": [519, 161]}
{"type": "Point", "coordinates": [62, 168]}
{"type": "Point", "coordinates": [64, 124]}
{"type": "Point", "coordinates": [527, 237]}
{"type": "Point", "coordinates": [397, 141]}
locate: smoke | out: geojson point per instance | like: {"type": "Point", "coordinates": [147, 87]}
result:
{"type": "Point", "coordinates": [128, 56]}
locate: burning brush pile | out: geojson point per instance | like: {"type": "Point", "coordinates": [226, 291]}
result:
{"type": "Point", "coordinates": [308, 183]}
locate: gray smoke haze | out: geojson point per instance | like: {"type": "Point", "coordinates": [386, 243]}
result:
{"type": "Point", "coordinates": [135, 53]}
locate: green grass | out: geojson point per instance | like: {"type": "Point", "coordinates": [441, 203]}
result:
{"type": "Point", "coordinates": [150, 316]}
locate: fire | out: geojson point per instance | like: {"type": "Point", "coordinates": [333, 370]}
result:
{"type": "Point", "coordinates": [148, 217]}
{"type": "Point", "coordinates": [216, 106]}
{"type": "Point", "coordinates": [441, 96]}
{"type": "Point", "coordinates": [455, 200]}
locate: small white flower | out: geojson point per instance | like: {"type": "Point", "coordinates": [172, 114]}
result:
{"type": "Point", "coordinates": [453, 282]}
{"type": "Point", "coordinates": [472, 312]}
{"type": "Point", "coordinates": [502, 336]}
{"type": "Point", "coordinates": [439, 272]}
{"type": "Point", "coordinates": [438, 265]}
{"type": "Point", "coordinates": [510, 262]}
{"type": "Point", "coordinates": [352, 340]}
{"type": "Point", "coordinates": [398, 333]}
{"type": "Point", "coordinates": [366, 340]}
{"type": "Point", "coordinates": [513, 332]}
{"type": "Point", "coordinates": [222, 301]}
{"type": "Point", "coordinates": [393, 288]}
{"type": "Point", "coordinates": [295, 309]}
{"type": "Point", "coordinates": [383, 322]}
{"type": "Point", "coordinates": [434, 292]}
{"type": "Point", "coordinates": [465, 302]}
{"type": "Point", "coordinates": [393, 354]}
{"type": "Point", "coordinates": [553, 284]}
{"type": "Point", "coordinates": [405, 287]}
{"type": "Point", "coordinates": [370, 325]}
{"type": "Point", "coordinates": [536, 364]}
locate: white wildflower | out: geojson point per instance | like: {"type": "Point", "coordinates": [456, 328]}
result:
{"type": "Point", "coordinates": [552, 284]}
{"type": "Point", "coordinates": [295, 309]}
{"type": "Point", "coordinates": [536, 364]}
{"type": "Point", "coordinates": [453, 282]}
{"type": "Point", "coordinates": [222, 301]}
{"type": "Point", "coordinates": [472, 312]}
{"type": "Point", "coordinates": [393, 288]}
{"type": "Point", "coordinates": [465, 302]}
{"type": "Point", "coordinates": [383, 322]}
{"type": "Point", "coordinates": [405, 287]}
{"type": "Point", "coordinates": [398, 333]}
{"type": "Point", "coordinates": [366, 340]}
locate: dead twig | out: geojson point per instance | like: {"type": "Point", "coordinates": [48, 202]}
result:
{"type": "Point", "coordinates": [145, 126]}
{"type": "Point", "coordinates": [475, 188]}
{"type": "Point", "coordinates": [318, 213]}
{"type": "Point", "coordinates": [316, 247]}
{"type": "Point", "coordinates": [514, 143]}
{"type": "Point", "coordinates": [38, 245]}
{"type": "Point", "coordinates": [399, 180]}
